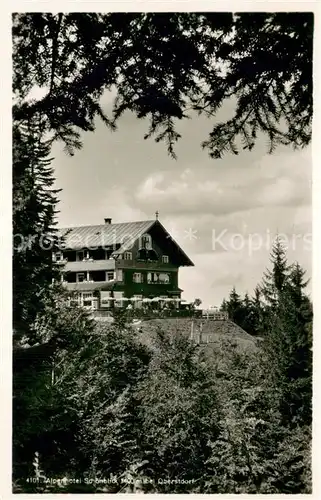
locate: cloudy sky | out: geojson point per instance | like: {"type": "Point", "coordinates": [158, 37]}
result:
{"type": "Point", "coordinates": [224, 213]}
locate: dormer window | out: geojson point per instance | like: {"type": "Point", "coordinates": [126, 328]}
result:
{"type": "Point", "coordinates": [165, 259]}
{"type": "Point", "coordinates": [146, 241]}
{"type": "Point", "coordinates": [146, 251]}
{"type": "Point", "coordinates": [128, 256]}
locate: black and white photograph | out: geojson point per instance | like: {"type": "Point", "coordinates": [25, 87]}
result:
{"type": "Point", "coordinates": [162, 307]}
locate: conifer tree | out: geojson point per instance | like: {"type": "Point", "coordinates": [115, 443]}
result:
{"type": "Point", "coordinates": [297, 284]}
{"type": "Point", "coordinates": [274, 279]}
{"type": "Point", "coordinates": [235, 307]}
{"type": "Point", "coordinates": [289, 343]}
{"type": "Point", "coordinates": [223, 307]}
{"type": "Point", "coordinates": [34, 202]}
{"type": "Point", "coordinates": [248, 322]}
{"type": "Point", "coordinates": [289, 350]}
{"type": "Point", "coordinates": [258, 311]}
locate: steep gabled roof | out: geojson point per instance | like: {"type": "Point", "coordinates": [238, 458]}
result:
{"type": "Point", "coordinates": [172, 245]}
{"type": "Point", "coordinates": [104, 235]}
{"type": "Point", "coordinates": [123, 234]}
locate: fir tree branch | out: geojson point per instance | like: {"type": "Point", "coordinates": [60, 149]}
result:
{"type": "Point", "coordinates": [55, 50]}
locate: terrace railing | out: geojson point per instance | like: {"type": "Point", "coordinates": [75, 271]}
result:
{"type": "Point", "coordinates": [145, 314]}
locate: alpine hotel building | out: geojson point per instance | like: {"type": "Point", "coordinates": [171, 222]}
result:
{"type": "Point", "coordinates": [106, 264]}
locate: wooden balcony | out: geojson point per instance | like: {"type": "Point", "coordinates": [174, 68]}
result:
{"type": "Point", "coordinates": [152, 265]}
{"type": "Point", "coordinates": [90, 265]}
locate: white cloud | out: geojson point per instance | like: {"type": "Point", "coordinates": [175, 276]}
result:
{"type": "Point", "coordinates": [214, 191]}
{"type": "Point", "coordinates": [280, 192]}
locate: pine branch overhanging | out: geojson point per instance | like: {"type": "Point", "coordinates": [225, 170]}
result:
{"type": "Point", "coordinates": [164, 66]}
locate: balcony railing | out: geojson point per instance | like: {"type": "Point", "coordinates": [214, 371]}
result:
{"type": "Point", "coordinates": [140, 264]}
{"type": "Point", "coordinates": [90, 265]}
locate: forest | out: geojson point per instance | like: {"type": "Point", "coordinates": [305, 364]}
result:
{"type": "Point", "coordinates": [118, 414]}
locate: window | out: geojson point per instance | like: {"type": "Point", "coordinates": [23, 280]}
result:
{"type": "Point", "coordinates": [75, 299]}
{"type": "Point", "coordinates": [81, 277]}
{"type": "Point", "coordinates": [147, 255]}
{"type": "Point", "coordinates": [164, 278]}
{"type": "Point", "coordinates": [146, 241]}
{"type": "Point", "coordinates": [153, 277]}
{"type": "Point", "coordinates": [120, 275]}
{"type": "Point", "coordinates": [165, 259]}
{"type": "Point", "coordinates": [142, 254]}
{"type": "Point", "coordinates": [128, 255]}
{"type": "Point", "coordinates": [118, 296]}
{"type": "Point", "coordinates": [109, 275]}
{"type": "Point", "coordinates": [152, 255]}
{"type": "Point", "coordinates": [104, 299]}
{"type": "Point", "coordinates": [80, 256]}
{"type": "Point", "coordinates": [87, 299]}
{"type": "Point", "coordinates": [58, 256]}
{"type": "Point", "coordinates": [137, 278]}
{"type": "Point", "coordinates": [108, 254]}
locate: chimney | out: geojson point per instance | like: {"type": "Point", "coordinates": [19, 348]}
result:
{"type": "Point", "coordinates": [107, 220]}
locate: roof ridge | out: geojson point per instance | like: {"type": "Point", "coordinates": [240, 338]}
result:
{"type": "Point", "coordinates": [107, 225]}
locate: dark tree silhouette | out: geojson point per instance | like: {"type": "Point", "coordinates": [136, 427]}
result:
{"type": "Point", "coordinates": [163, 66]}
{"type": "Point", "coordinates": [34, 201]}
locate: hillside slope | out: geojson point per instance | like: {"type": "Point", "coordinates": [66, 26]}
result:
{"type": "Point", "coordinates": [210, 332]}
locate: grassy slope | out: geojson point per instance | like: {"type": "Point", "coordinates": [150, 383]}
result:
{"type": "Point", "coordinates": [213, 332]}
